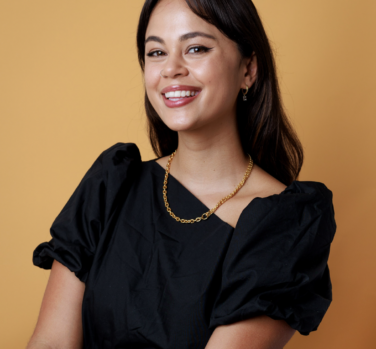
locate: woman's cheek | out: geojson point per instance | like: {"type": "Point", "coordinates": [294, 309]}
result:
{"type": "Point", "coordinates": [151, 85]}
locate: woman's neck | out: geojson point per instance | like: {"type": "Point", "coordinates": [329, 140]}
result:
{"type": "Point", "coordinates": [202, 161]}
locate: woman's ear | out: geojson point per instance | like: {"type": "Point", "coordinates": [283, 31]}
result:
{"type": "Point", "coordinates": [250, 73]}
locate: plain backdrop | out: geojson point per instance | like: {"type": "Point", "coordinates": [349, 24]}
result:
{"type": "Point", "coordinates": [70, 87]}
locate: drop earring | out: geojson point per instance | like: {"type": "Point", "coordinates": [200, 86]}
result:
{"type": "Point", "coordinates": [244, 93]}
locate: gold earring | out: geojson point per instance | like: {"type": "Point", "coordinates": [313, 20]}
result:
{"type": "Point", "coordinates": [244, 93]}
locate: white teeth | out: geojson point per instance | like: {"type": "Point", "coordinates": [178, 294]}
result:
{"type": "Point", "coordinates": [178, 94]}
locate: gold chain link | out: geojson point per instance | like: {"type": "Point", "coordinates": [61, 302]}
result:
{"type": "Point", "coordinates": [205, 215]}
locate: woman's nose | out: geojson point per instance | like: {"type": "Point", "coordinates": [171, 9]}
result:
{"type": "Point", "coordinates": [174, 67]}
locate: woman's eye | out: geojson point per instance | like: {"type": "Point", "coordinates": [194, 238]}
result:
{"type": "Point", "coordinates": [195, 49]}
{"type": "Point", "coordinates": [154, 53]}
{"type": "Point", "coordinates": [199, 49]}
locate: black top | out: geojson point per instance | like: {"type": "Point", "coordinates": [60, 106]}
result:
{"type": "Point", "coordinates": [152, 282]}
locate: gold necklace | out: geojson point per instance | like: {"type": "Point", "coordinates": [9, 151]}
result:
{"type": "Point", "coordinates": [205, 215]}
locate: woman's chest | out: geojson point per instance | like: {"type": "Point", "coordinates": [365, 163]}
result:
{"type": "Point", "coordinates": [151, 278]}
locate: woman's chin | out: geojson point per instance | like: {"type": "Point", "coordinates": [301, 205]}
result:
{"type": "Point", "coordinates": [181, 125]}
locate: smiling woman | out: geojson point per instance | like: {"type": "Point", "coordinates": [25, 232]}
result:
{"type": "Point", "coordinates": [213, 244]}
{"type": "Point", "coordinates": [231, 52]}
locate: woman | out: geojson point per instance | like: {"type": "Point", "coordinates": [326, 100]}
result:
{"type": "Point", "coordinates": [214, 244]}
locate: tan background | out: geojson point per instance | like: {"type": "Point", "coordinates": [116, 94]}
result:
{"type": "Point", "coordinates": [70, 87]}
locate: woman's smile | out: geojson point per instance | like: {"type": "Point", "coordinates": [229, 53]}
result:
{"type": "Point", "coordinates": [178, 95]}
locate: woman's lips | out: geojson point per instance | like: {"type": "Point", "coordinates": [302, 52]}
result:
{"type": "Point", "coordinates": [180, 102]}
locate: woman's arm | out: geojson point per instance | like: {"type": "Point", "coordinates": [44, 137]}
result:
{"type": "Point", "coordinates": [261, 332]}
{"type": "Point", "coordinates": [60, 323]}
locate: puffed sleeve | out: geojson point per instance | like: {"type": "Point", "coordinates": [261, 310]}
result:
{"type": "Point", "coordinates": [77, 229]}
{"type": "Point", "coordinates": [276, 262]}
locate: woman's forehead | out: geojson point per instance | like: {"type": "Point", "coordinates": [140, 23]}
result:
{"type": "Point", "coordinates": [175, 15]}
{"type": "Point", "coordinates": [174, 19]}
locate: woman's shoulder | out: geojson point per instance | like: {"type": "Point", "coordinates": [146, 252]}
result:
{"type": "Point", "coordinates": [268, 187]}
{"type": "Point", "coordinates": [115, 166]}
{"type": "Point", "coordinates": [120, 153]}
{"type": "Point", "coordinates": [263, 185]}
{"type": "Point", "coordinates": [290, 210]}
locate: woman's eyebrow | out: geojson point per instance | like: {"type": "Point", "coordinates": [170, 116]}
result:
{"type": "Point", "coordinates": [181, 38]}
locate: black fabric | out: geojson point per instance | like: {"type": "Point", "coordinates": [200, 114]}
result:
{"type": "Point", "coordinates": [152, 282]}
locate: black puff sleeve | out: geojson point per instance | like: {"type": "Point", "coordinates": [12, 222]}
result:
{"type": "Point", "coordinates": [78, 227]}
{"type": "Point", "coordinates": [276, 263]}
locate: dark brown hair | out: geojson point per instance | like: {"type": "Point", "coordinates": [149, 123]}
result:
{"type": "Point", "coordinates": [265, 131]}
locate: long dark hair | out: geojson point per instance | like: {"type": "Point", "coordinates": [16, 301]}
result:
{"type": "Point", "coordinates": [265, 131]}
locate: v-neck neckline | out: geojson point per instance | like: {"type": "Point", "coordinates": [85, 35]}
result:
{"type": "Point", "coordinates": [207, 208]}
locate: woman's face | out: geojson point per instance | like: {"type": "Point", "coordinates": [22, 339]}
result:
{"type": "Point", "coordinates": [193, 56]}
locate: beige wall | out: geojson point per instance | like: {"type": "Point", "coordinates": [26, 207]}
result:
{"type": "Point", "coordinates": [70, 87]}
